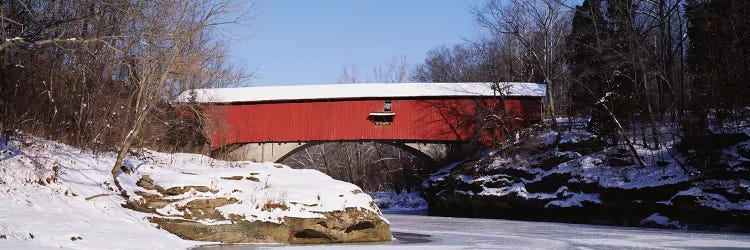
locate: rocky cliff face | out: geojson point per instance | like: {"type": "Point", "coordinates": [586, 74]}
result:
{"type": "Point", "coordinates": [584, 181]}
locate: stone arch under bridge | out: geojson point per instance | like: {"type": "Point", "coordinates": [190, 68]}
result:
{"type": "Point", "coordinates": [435, 152]}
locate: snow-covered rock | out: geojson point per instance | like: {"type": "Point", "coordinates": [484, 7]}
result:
{"type": "Point", "coordinates": [658, 220]}
{"type": "Point", "coordinates": [584, 181]}
{"type": "Point", "coordinates": [396, 201]}
{"type": "Point", "coordinates": [54, 195]}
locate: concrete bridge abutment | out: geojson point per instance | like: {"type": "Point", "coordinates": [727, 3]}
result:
{"type": "Point", "coordinates": [436, 152]}
{"type": "Point", "coordinates": [263, 152]}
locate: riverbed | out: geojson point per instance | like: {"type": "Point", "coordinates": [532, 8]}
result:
{"type": "Point", "coordinates": [419, 231]}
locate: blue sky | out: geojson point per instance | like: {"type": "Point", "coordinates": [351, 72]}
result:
{"type": "Point", "coordinates": [310, 41]}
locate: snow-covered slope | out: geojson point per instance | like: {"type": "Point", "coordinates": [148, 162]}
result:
{"type": "Point", "coordinates": [54, 195]}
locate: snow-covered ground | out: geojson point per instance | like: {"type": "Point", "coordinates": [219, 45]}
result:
{"type": "Point", "coordinates": [56, 196]}
{"type": "Point", "coordinates": [426, 232]}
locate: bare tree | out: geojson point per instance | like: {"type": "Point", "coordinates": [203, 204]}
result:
{"type": "Point", "coordinates": [349, 74]}
{"type": "Point", "coordinates": [540, 27]}
{"type": "Point", "coordinates": [460, 63]}
{"type": "Point", "coordinates": [165, 44]}
{"type": "Point", "coordinates": [396, 70]}
{"type": "Point", "coordinates": [64, 51]}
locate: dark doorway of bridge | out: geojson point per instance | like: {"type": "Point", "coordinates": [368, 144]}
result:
{"type": "Point", "coordinates": [373, 166]}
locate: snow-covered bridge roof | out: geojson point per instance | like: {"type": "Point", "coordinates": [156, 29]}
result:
{"type": "Point", "coordinates": [359, 90]}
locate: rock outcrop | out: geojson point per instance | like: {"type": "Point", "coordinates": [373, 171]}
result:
{"type": "Point", "coordinates": [350, 225]}
{"type": "Point", "coordinates": [243, 209]}
{"type": "Point", "coordinates": [582, 181]}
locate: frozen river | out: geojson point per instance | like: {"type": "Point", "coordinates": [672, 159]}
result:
{"type": "Point", "coordinates": [426, 232]}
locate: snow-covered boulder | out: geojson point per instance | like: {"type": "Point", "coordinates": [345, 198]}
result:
{"type": "Point", "coordinates": [54, 195]}
{"type": "Point", "coordinates": [256, 203]}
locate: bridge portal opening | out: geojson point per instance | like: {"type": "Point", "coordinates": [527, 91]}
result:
{"type": "Point", "coordinates": [374, 166]}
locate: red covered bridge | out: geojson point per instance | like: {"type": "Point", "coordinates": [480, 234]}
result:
{"type": "Point", "coordinates": [271, 123]}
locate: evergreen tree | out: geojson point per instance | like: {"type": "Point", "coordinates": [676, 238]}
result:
{"type": "Point", "coordinates": [592, 67]}
{"type": "Point", "coordinates": [586, 45]}
{"type": "Point", "coordinates": [719, 55]}
{"type": "Point", "coordinates": [622, 57]}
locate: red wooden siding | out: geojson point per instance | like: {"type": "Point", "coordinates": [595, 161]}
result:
{"type": "Point", "coordinates": [347, 120]}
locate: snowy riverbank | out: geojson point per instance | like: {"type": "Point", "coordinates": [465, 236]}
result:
{"type": "Point", "coordinates": [53, 195]}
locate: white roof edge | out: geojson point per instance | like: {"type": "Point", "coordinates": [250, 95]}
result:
{"type": "Point", "coordinates": [383, 113]}
{"type": "Point", "coordinates": [360, 90]}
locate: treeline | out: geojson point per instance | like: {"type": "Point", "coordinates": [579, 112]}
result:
{"type": "Point", "coordinates": [102, 74]}
{"type": "Point", "coordinates": [632, 66]}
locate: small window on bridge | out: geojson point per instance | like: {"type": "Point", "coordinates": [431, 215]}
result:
{"type": "Point", "coordinates": [381, 118]}
{"type": "Point", "coordinates": [387, 106]}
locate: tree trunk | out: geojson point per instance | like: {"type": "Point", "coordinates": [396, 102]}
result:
{"type": "Point", "coordinates": [622, 134]}
{"type": "Point", "coordinates": [129, 139]}
{"type": "Point", "coordinates": [552, 112]}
